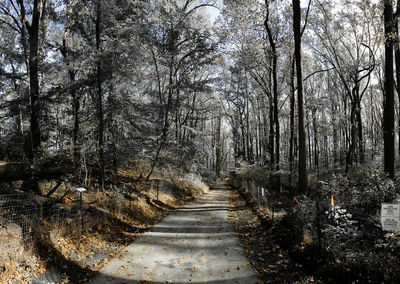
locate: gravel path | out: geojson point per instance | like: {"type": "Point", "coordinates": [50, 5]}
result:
{"type": "Point", "coordinates": [195, 244]}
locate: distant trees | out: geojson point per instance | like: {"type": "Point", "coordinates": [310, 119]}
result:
{"type": "Point", "coordinates": [343, 54]}
{"type": "Point", "coordinates": [181, 53]}
{"type": "Point", "coordinates": [105, 83]}
{"type": "Point", "coordinates": [350, 54]}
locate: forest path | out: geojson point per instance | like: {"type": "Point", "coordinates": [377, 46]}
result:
{"type": "Point", "coordinates": [195, 244]}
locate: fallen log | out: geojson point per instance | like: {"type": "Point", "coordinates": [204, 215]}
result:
{"type": "Point", "coordinates": [49, 168]}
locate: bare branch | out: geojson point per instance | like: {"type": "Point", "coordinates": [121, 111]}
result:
{"type": "Point", "coordinates": [306, 18]}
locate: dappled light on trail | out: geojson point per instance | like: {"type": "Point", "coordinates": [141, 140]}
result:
{"type": "Point", "coordinates": [195, 244]}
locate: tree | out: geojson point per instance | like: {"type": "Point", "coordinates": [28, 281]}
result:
{"type": "Point", "coordinates": [397, 62]}
{"type": "Point", "coordinates": [388, 101]}
{"type": "Point", "coordinates": [275, 88]}
{"type": "Point", "coordinates": [348, 46]}
{"type": "Point", "coordinates": [179, 51]}
{"type": "Point", "coordinates": [303, 179]}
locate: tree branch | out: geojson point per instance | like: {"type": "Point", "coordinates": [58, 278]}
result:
{"type": "Point", "coordinates": [306, 18]}
{"type": "Point", "coordinates": [318, 71]}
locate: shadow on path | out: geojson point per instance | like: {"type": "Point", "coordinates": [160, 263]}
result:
{"type": "Point", "coordinates": [195, 244]}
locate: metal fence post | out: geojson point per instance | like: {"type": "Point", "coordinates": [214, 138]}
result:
{"type": "Point", "coordinates": [158, 187]}
{"type": "Point", "coordinates": [81, 190]}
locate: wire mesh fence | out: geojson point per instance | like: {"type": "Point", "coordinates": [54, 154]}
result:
{"type": "Point", "coordinates": [263, 196]}
{"type": "Point", "coordinates": [266, 198]}
{"type": "Point", "coordinates": [83, 227]}
{"type": "Point", "coordinates": [19, 216]}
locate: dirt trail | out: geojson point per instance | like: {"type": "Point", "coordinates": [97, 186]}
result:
{"type": "Point", "coordinates": [195, 244]}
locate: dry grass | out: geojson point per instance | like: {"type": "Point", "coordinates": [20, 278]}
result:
{"type": "Point", "coordinates": [18, 262]}
{"type": "Point", "coordinates": [113, 219]}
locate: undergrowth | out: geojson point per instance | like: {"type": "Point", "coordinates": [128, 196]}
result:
{"type": "Point", "coordinates": [334, 231]}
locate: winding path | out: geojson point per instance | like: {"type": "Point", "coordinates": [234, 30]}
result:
{"type": "Point", "coordinates": [195, 244]}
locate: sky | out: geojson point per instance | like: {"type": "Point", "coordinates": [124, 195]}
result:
{"type": "Point", "coordinates": [213, 13]}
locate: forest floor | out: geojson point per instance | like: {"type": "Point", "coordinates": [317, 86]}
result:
{"type": "Point", "coordinates": [194, 244]}
{"type": "Point", "coordinates": [261, 245]}
{"type": "Point", "coordinates": [283, 249]}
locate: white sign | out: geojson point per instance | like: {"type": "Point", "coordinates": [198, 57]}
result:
{"type": "Point", "coordinates": [390, 217]}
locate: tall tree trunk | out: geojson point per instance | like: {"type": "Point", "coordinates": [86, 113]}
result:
{"type": "Point", "coordinates": [76, 109]}
{"type": "Point", "coordinates": [271, 133]}
{"type": "Point", "coordinates": [100, 114]}
{"type": "Point", "coordinates": [218, 148]}
{"type": "Point", "coordinates": [167, 109]}
{"type": "Point", "coordinates": [291, 125]}
{"type": "Point", "coordinates": [335, 136]}
{"type": "Point", "coordinates": [397, 61]}
{"type": "Point", "coordinates": [33, 30]}
{"type": "Point", "coordinates": [276, 118]}
{"type": "Point", "coordinates": [303, 180]}
{"type": "Point", "coordinates": [352, 141]}
{"type": "Point", "coordinates": [360, 133]}
{"type": "Point", "coordinates": [316, 146]}
{"type": "Point", "coordinates": [275, 88]}
{"type": "Point", "coordinates": [75, 105]}
{"type": "Point", "coordinates": [247, 115]}
{"type": "Point", "coordinates": [32, 142]}
{"type": "Point", "coordinates": [388, 102]}
{"type": "Point", "coordinates": [309, 138]}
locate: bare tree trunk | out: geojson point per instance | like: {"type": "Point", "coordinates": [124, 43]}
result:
{"type": "Point", "coordinates": [75, 105]}
{"type": "Point", "coordinates": [218, 148]}
{"type": "Point", "coordinates": [316, 146]}
{"type": "Point", "coordinates": [397, 61]}
{"type": "Point", "coordinates": [100, 114]}
{"type": "Point", "coordinates": [291, 126]}
{"type": "Point", "coordinates": [32, 143]}
{"type": "Point", "coordinates": [165, 128]}
{"type": "Point", "coordinates": [388, 102]}
{"type": "Point", "coordinates": [275, 89]}
{"type": "Point", "coordinates": [271, 133]}
{"type": "Point", "coordinates": [309, 138]}
{"type": "Point", "coordinates": [33, 30]}
{"type": "Point", "coordinates": [303, 180]}
{"type": "Point", "coordinates": [360, 133]}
